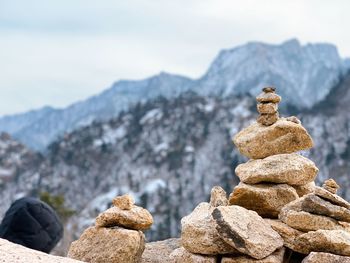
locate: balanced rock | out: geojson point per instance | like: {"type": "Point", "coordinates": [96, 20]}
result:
{"type": "Point", "coordinates": [305, 189]}
{"type": "Point", "coordinates": [258, 141]}
{"type": "Point", "coordinates": [287, 233]}
{"type": "Point", "coordinates": [14, 253]}
{"type": "Point", "coordinates": [268, 96]}
{"type": "Point", "coordinates": [124, 202]}
{"type": "Point", "coordinates": [159, 251]}
{"type": "Point", "coordinates": [268, 119]}
{"type": "Point", "coordinates": [331, 186]}
{"type": "Point", "coordinates": [293, 215]}
{"type": "Point", "coordinates": [331, 241]}
{"type": "Point", "coordinates": [316, 205]}
{"type": "Point", "coordinates": [181, 255]}
{"type": "Point", "coordinates": [246, 231]}
{"type": "Point", "coordinates": [266, 199]}
{"type": "Point", "coordinates": [199, 234]}
{"type": "Point", "coordinates": [333, 198]}
{"type": "Point", "coordinates": [275, 257]}
{"type": "Point", "coordinates": [136, 218]}
{"type": "Point", "coordinates": [267, 108]}
{"type": "Point", "coordinates": [292, 169]}
{"type": "Point", "coordinates": [107, 245]}
{"type": "Point", "coordinates": [218, 197]}
{"type": "Point", "coordinates": [319, 257]}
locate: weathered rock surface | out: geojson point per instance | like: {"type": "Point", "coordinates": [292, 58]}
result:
{"type": "Point", "coordinates": [218, 197]}
{"type": "Point", "coordinates": [292, 169]}
{"type": "Point", "coordinates": [267, 108]}
{"type": "Point", "coordinates": [181, 255]}
{"type": "Point", "coordinates": [316, 205]}
{"type": "Point", "coordinates": [246, 231]}
{"type": "Point", "coordinates": [258, 141]}
{"type": "Point", "coordinates": [331, 186]}
{"type": "Point", "coordinates": [266, 199]}
{"type": "Point", "coordinates": [305, 189]}
{"type": "Point", "coordinates": [107, 245]}
{"type": "Point", "coordinates": [333, 198]}
{"type": "Point", "coordinates": [287, 233]}
{"type": "Point", "coordinates": [319, 257]}
{"type": "Point", "coordinates": [268, 96]}
{"type": "Point", "coordinates": [268, 119]}
{"type": "Point", "coordinates": [331, 241]}
{"type": "Point", "coordinates": [13, 253]}
{"type": "Point", "coordinates": [199, 234]}
{"type": "Point", "coordinates": [159, 252]}
{"type": "Point", "coordinates": [137, 218]}
{"type": "Point", "coordinates": [275, 257]}
{"type": "Point", "coordinates": [124, 202]}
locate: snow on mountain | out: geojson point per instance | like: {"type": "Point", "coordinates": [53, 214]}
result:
{"type": "Point", "coordinates": [304, 75]}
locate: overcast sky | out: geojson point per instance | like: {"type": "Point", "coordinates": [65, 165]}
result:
{"type": "Point", "coordinates": [55, 52]}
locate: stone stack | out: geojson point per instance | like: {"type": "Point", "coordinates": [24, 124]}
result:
{"type": "Point", "coordinates": [215, 232]}
{"type": "Point", "coordinates": [117, 235]}
{"type": "Point", "coordinates": [275, 175]}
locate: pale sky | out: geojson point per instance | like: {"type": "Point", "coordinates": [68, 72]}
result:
{"type": "Point", "coordinates": [55, 52]}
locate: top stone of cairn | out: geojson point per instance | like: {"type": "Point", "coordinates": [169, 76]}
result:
{"type": "Point", "coordinates": [268, 106]}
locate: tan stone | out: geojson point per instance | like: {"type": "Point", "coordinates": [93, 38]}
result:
{"type": "Point", "coordinates": [218, 197]}
{"type": "Point", "coordinates": [246, 231]}
{"type": "Point", "coordinates": [258, 141]}
{"type": "Point", "coordinates": [292, 169]}
{"type": "Point", "coordinates": [266, 199]}
{"type": "Point", "coordinates": [293, 119]}
{"type": "Point", "coordinates": [330, 241]}
{"type": "Point", "coordinates": [319, 257]}
{"type": "Point", "coordinates": [181, 255]}
{"type": "Point", "coordinates": [199, 234]}
{"type": "Point", "coordinates": [287, 233]}
{"type": "Point", "coordinates": [268, 119]}
{"type": "Point", "coordinates": [331, 186]}
{"type": "Point", "coordinates": [275, 257]}
{"type": "Point", "coordinates": [316, 205]}
{"type": "Point", "coordinates": [108, 245]}
{"type": "Point", "coordinates": [159, 252]}
{"type": "Point", "coordinates": [137, 218]}
{"type": "Point", "coordinates": [14, 253]}
{"type": "Point", "coordinates": [266, 97]}
{"type": "Point", "coordinates": [333, 198]}
{"type": "Point", "coordinates": [267, 108]}
{"type": "Point", "coordinates": [124, 202]}
{"type": "Point", "coordinates": [304, 189]}
{"type": "Point", "coordinates": [293, 216]}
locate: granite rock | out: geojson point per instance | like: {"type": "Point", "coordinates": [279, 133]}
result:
{"type": "Point", "coordinates": [181, 255]}
{"type": "Point", "coordinates": [319, 257]}
{"type": "Point", "coordinates": [159, 252]}
{"type": "Point", "coordinates": [275, 257]}
{"type": "Point", "coordinates": [218, 196]}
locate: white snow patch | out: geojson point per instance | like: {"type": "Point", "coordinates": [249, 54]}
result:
{"type": "Point", "coordinates": [110, 136]}
{"type": "Point", "coordinates": [164, 146]}
{"type": "Point", "coordinates": [154, 185]}
{"type": "Point", "coordinates": [152, 116]}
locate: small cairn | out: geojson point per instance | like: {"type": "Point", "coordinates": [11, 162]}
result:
{"type": "Point", "coordinates": [268, 106]}
{"type": "Point", "coordinates": [117, 235]}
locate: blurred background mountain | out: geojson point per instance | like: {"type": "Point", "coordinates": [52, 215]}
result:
{"type": "Point", "coordinates": [166, 139]}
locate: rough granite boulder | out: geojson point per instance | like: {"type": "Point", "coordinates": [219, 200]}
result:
{"type": "Point", "coordinates": [292, 169]}
{"type": "Point", "coordinates": [284, 136]}
{"type": "Point", "coordinates": [159, 252]}
{"type": "Point", "coordinates": [246, 231]}
{"type": "Point", "coordinates": [136, 218]}
{"type": "Point", "coordinates": [266, 199]}
{"type": "Point", "coordinates": [181, 255]}
{"type": "Point", "coordinates": [305, 189]}
{"type": "Point", "coordinates": [275, 257]}
{"type": "Point", "coordinates": [108, 245]}
{"type": "Point", "coordinates": [319, 257]}
{"type": "Point", "coordinates": [14, 253]}
{"type": "Point", "coordinates": [199, 234]}
{"type": "Point", "coordinates": [331, 241]}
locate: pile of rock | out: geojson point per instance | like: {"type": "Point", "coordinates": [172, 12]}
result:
{"type": "Point", "coordinates": [275, 175]}
{"type": "Point", "coordinates": [215, 232]}
{"type": "Point", "coordinates": [117, 235]}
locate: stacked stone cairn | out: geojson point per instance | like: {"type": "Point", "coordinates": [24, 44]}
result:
{"type": "Point", "coordinates": [117, 236]}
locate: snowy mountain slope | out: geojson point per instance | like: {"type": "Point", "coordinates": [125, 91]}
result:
{"type": "Point", "coordinates": [304, 75]}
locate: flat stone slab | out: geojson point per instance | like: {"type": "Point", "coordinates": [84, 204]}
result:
{"type": "Point", "coordinates": [181, 255]}
{"type": "Point", "coordinates": [199, 234]}
{"type": "Point", "coordinates": [330, 241]}
{"type": "Point", "coordinates": [292, 169]}
{"type": "Point", "coordinates": [258, 141]}
{"type": "Point", "coordinates": [305, 189]}
{"type": "Point", "coordinates": [265, 199]}
{"type": "Point", "coordinates": [14, 253]}
{"type": "Point", "coordinates": [275, 257]}
{"type": "Point", "coordinates": [333, 198]}
{"type": "Point", "coordinates": [319, 257]}
{"type": "Point", "coordinates": [246, 231]}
